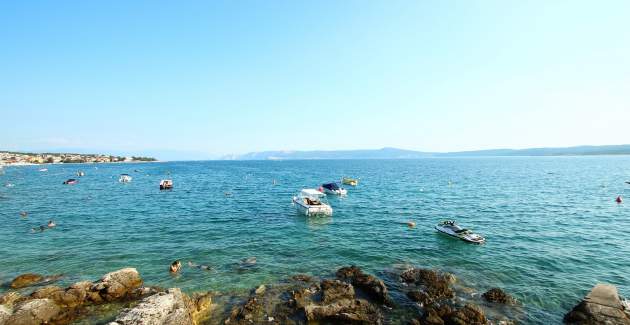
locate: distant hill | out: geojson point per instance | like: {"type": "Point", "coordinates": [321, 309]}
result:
{"type": "Point", "coordinates": [394, 153]}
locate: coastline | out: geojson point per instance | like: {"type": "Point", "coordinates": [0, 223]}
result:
{"type": "Point", "coordinates": [346, 296]}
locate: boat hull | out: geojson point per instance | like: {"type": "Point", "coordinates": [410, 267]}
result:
{"type": "Point", "coordinates": [467, 239]}
{"type": "Point", "coordinates": [313, 210]}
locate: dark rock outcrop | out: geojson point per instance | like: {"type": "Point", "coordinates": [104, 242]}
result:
{"type": "Point", "coordinates": [432, 285]}
{"type": "Point", "coordinates": [497, 295]}
{"type": "Point", "coordinates": [327, 302]}
{"type": "Point", "coordinates": [601, 306]}
{"type": "Point", "coordinates": [368, 283]}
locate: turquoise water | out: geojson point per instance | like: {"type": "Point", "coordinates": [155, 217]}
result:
{"type": "Point", "coordinates": [552, 225]}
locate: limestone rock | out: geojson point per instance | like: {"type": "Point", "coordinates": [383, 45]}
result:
{"type": "Point", "coordinates": [117, 284]}
{"type": "Point", "coordinates": [601, 306]}
{"type": "Point", "coordinates": [36, 311]}
{"type": "Point", "coordinates": [168, 307]}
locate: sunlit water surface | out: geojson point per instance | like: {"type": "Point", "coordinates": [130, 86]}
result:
{"type": "Point", "coordinates": [552, 225]}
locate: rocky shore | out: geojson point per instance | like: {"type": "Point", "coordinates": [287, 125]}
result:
{"type": "Point", "coordinates": [349, 296]}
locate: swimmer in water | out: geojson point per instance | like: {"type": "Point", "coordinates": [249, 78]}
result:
{"type": "Point", "coordinates": [51, 224]}
{"type": "Point", "coordinates": [411, 224]}
{"type": "Point", "coordinates": [38, 229]}
{"type": "Point", "coordinates": [201, 267]}
{"type": "Point", "coordinates": [175, 266]}
{"type": "Point", "coordinates": [619, 199]}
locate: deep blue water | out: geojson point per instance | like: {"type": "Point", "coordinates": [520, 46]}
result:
{"type": "Point", "coordinates": [552, 225]}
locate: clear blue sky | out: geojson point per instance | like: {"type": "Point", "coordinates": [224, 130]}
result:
{"type": "Point", "coordinates": [219, 77]}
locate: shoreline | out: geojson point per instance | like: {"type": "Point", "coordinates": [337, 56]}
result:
{"type": "Point", "coordinates": [346, 296]}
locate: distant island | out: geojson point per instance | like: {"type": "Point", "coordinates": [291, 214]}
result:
{"type": "Point", "coordinates": [24, 158]}
{"type": "Point", "coordinates": [394, 153]}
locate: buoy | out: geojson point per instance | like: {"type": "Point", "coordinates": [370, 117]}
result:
{"type": "Point", "coordinates": [619, 199]}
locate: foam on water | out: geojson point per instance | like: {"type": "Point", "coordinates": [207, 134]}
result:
{"type": "Point", "coordinates": [552, 226]}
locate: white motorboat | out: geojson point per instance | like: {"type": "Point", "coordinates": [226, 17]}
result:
{"type": "Point", "coordinates": [124, 178]}
{"type": "Point", "coordinates": [451, 228]}
{"type": "Point", "coordinates": [43, 170]}
{"type": "Point", "coordinates": [166, 184]}
{"type": "Point", "coordinates": [311, 202]}
{"type": "Point", "coordinates": [334, 189]}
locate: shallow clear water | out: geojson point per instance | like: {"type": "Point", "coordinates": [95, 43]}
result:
{"type": "Point", "coordinates": [552, 225]}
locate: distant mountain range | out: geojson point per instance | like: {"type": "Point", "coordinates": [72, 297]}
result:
{"type": "Point", "coordinates": [394, 153]}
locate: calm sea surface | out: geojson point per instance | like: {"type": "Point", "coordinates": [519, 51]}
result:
{"type": "Point", "coordinates": [553, 229]}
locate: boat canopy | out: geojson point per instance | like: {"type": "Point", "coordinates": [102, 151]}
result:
{"type": "Point", "coordinates": [311, 192]}
{"type": "Point", "coordinates": [331, 186]}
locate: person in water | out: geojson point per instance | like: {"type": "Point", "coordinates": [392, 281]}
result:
{"type": "Point", "coordinates": [201, 267]}
{"type": "Point", "coordinates": [38, 229]}
{"type": "Point", "coordinates": [51, 224]}
{"type": "Point", "coordinates": [619, 199]}
{"type": "Point", "coordinates": [175, 266]}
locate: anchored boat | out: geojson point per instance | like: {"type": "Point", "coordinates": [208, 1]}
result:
{"type": "Point", "coordinates": [311, 202]}
{"type": "Point", "coordinates": [350, 181]}
{"type": "Point", "coordinates": [334, 189]}
{"type": "Point", "coordinates": [124, 178]}
{"type": "Point", "coordinates": [166, 184]}
{"type": "Point", "coordinates": [70, 181]}
{"type": "Point", "coordinates": [451, 228]}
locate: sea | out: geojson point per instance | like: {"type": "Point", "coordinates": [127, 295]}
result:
{"type": "Point", "coordinates": [552, 225]}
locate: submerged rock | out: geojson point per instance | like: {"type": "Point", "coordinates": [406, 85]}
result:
{"type": "Point", "coordinates": [497, 295]}
{"type": "Point", "coordinates": [601, 306]}
{"type": "Point", "coordinates": [25, 280]}
{"type": "Point", "coordinates": [368, 283]}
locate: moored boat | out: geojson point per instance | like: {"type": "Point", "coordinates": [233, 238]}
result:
{"type": "Point", "coordinates": [311, 202]}
{"type": "Point", "coordinates": [70, 181]}
{"type": "Point", "coordinates": [334, 189]}
{"type": "Point", "coordinates": [125, 178]}
{"type": "Point", "coordinates": [350, 181]}
{"type": "Point", "coordinates": [80, 173]}
{"type": "Point", "coordinates": [166, 184]}
{"type": "Point", "coordinates": [451, 228]}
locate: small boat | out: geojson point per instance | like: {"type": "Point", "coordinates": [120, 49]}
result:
{"type": "Point", "coordinates": [70, 181]}
{"type": "Point", "coordinates": [166, 184]}
{"type": "Point", "coordinates": [334, 189]}
{"type": "Point", "coordinates": [43, 170]}
{"type": "Point", "coordinates": [124, 178]}
{"type": "Point", "coordinates": [350, 181]}
{"type": "Point", "coordinates": [80, 173]}
{"type": "Point", "coordinates": [311, 202]}
{"type": "Point", "coordinates": [451, 228]}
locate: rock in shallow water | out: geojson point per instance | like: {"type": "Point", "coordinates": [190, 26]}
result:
{"type": "Point", "coordinates": [499, 296]}
{"type": "Point", "coordinates": [26, 280]}
{"type": "Point", "coordinates": [368, 283]}
{"type": "Point", "coordinates": [434, 285]}
{"type": "Point", "coordinates": [601, 306]}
